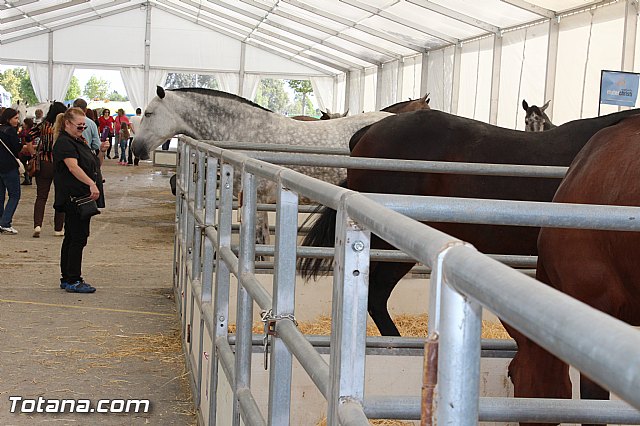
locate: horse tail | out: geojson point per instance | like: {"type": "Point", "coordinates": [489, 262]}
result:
{"type": "Point", "coordinates": [321, 234]}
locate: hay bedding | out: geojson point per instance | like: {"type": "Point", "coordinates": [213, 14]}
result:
{"type": "Point", "coordinates": [409, 326]}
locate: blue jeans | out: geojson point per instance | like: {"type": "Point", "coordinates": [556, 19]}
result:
{"type": "Point", "coordinates": [123, 150]}
{"type": "Point", "coordinates": [9, 182]}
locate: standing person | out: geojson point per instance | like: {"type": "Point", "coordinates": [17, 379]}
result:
{"type": "Point", "coordinates": [26, 137]}
{"type": "Point", "coordinates": [106, 122]}
{"type": "Point", "coordinates": [124, 136]}
{"type": "Point", "coordinates": [43, 133]}
{"type": "Point", "coordinates": [39, 116]}
{"type": "Point", "coordinates": [9, 175]}
{"type": "Point", "coordinates": [120, 118]}
{"type": "Point", "coordinates": [135, 125]}
{"type": "Point", "coordinates": [90, 134]}
{"type": "Point", "coordinates": [77, 173]}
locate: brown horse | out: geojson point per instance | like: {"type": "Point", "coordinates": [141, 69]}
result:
{"type": "Point", "coordinates": [405, 106]}
{"type": "Point", "coordinates": [438, 136]}
{"type": "Point", "coordinates": [599, 268]}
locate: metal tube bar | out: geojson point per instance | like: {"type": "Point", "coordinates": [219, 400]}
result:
{"type": "Point", "coordinates": [315, 366]}
{"type": "Point", "coordinates": [516, 213]}
{"type": "Point", "coordinates": [209, 222]}
{"type": "Point", "coordinates": [284, 286]}
{"type": "Point", "coordinates": [350, 294]}
{"type": "Point", "coordinates": [494, 409]}
{"type": "Point", "coordinates": [244, 310]}
{"type": "Point", "coordinates": [350, 413]}
{"type": "Point", "coordinates": [227, 360]}
{"type": "Point", "coordinates": [251, 414]}
{"type": "Point", "coordinates": [256, 290]}
{"type": "Point", "coordinates": [458, 358]}
{"type": "Point", "coordinates": [571, 330]}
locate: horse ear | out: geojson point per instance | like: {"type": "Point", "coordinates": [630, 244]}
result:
{"type": "Point", "coordinates": [325, 116]}
{"type": "Point", "coordinates": [346, 112]}
{"type": "Point", "coordinates": [428, 100]}
{"type": "Point", "coordinates": [160, 92]}
{"type": "Point", "coordinates": [425, 98]}
{"type": "Point", "coordinates": [545, 106]}
{"type": "Point", "coordinates": [525, 105]}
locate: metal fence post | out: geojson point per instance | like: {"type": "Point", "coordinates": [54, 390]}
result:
{"type": "Point", "coordinates": [458, 389]}
{"type": "Point", "coordinates": [244, 315]}
{"type": "Point", "coordinates": [284, 286]}
{"type": "Point", "coordinates": [223, 278]}
{"type": "Point", "coordinates": [349, 314]}
{"type": "Point", "coordinates": [197, 269]}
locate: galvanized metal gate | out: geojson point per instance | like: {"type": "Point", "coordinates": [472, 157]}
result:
{"type": "Point", "coordinates": [205, 261]}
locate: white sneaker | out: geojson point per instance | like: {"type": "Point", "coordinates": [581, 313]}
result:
{"type": "Point", "coordinates": [59, 233]}
{"type": "Point", "coordinates": [10, 230]}
{"type": "Point", "coordinates": [36, 232]}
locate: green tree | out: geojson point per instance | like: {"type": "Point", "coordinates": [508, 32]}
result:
{"type": "Point", "coordinates": [176, 80]}
{"type": "Point", "coordinates": [117, 97]}
{"type": "Point", "coordinates": [74, 91]}
{"type": "Point", "coordinates": [17, 82]}
{"type": "Point", "coordinates": [271, 95]}
{"type": "Point", "coordinates": [302, 105]}
{"type": "Point", "coordinates": [302, 88]}
{"type": "Point", "coordinates": [96, 88]}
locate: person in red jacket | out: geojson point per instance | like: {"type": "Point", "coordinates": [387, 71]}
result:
{"type": "Point", "coordinates": [106, 122]}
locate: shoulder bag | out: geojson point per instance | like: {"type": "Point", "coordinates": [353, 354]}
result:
{"type": "Point", "coordinates": [21, 168]}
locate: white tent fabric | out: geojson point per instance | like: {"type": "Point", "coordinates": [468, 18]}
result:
{"type": "Point", "coordinates": [5, 97]}
{"type": "Point", "coordinates": [250, 86]}
{"type": "Point", "coordinates": [417, 46]}
{"type": "Point", "coordinates": [133, 79]}
{"type": "Point", "coordinates": [323, 90]}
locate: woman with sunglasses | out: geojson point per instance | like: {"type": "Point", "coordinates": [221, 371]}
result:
{"type": "Point", "coordinates": [77, 174]}
{"type": "Point", "coordinates": [43, 136]}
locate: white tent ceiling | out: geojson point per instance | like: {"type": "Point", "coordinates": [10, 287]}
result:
{"type": "Point", "coordinates": [330, 36]}
{"type": "Point", "coordinates": [477, 58]}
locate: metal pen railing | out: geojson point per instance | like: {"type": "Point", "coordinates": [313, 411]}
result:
{"type": "Point", "coordinates": [459, 287]}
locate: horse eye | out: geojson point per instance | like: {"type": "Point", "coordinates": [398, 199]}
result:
{"type": "Point", "coordinates": [147, 114]}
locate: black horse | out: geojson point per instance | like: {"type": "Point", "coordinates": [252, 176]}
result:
{"type": "Point", "coordinates": [438, 136]}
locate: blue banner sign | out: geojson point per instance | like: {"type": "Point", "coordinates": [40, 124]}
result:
{"type": "Point", "coordinates": [619, 88]}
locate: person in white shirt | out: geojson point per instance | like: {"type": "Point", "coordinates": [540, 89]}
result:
{"type": "Point", "coordinates": [134, 126]}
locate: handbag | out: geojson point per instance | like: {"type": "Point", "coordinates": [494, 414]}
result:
{"type": "Point", "coordinates": [85, 206]}
{"type": "Point", "coordinates": [21, 168]}
{"type": "Point", "coordinates": [33, 166]}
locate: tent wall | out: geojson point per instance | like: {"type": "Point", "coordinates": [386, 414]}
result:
{"type": "Point", "coordinates": [460, 78]}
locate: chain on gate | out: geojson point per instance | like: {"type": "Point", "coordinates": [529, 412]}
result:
{"type": "Point", "coordinates": [269, 320]}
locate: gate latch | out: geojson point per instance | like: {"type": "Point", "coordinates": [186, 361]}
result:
{"type": "Point", "coordinates": [269, 320]}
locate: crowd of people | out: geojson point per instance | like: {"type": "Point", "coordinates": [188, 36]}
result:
{"type": "Point", "coordinates": [66, 148]}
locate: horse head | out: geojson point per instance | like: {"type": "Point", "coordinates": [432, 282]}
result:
{"type": "Point", "coordinates": [21, 107]}
{"type": "Point", "coordinates": [535, 118]}
{"type": "Point", "coordinates": [163, 118]}
{"type": "Point", "coordinates": [331, 115]}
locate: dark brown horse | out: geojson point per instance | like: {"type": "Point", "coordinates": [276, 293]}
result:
{"type": "Point", "coordinates": [438, 136]}
{"type": "Point", "coordinates": [599, 268]}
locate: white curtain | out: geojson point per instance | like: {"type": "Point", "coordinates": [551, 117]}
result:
{"type": "Point", "coordinates": [389, 76]}
{"type": "Point", "coordinates": [356, 94]}
{"type": "Point", "coordinates": [250, 86]}
{"type": "Point", "coordinates": [411, 70]}
{"type": "Point", "coordinates": [39, 74]}
{"type": "Point", "coordinates": [340, 92]}
{"type": "Point", "coordinates": [133, 79]}
{"type": "Point", "coordinates": [323, 90]}
{"type": "Point", "coordinates": [156, 78]}
{"type": "Point", "coordinates": [370, 88]}
{"type": "Point", "coordinates": [61, 77]}
{"type": "Point", "coordinates": [228, 82]}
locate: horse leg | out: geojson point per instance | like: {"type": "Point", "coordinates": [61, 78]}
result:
{"type": "Point", "coordinates": [383, 277]}
{"type": "Point", "coordinates": [591, 390]}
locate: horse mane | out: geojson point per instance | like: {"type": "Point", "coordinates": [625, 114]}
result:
{"type": "Point", "coordinates": [396, 104]}
{"type": "Point", "coordinates": [218, 93]}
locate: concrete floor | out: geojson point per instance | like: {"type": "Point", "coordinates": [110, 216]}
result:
{"type": "Point", "coordinates": [121, 342]}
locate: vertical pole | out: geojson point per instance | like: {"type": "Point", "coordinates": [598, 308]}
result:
{"type": "Point", "coordinates": [495, 78]}
{"type": "Point", "coordinates": [50, 68]}
{"type": "Point", "coordinates": [223, 279]}
{"type": "Point", "coordinates": [349, 314]}
{"type": "Point", "coordinates": [379, 87]}
{"type": "Point", "coordinates": [197, 271]}
{"type": "Point", "coordinates": [455, 83]}
{"type": "Point", "coordinates": [347, 92]}
{"type": "Point", "coordinates": [147, 56]}
{"type": "Point", "coordinates": [184, 235]}
{"type": "Point", "coordinates": [459, 360]}
{"type": "Point", "coordinates": [246, 265]}
{"type": "Point", "coordinates": [208, 250]}
{"type": "Point", "coordinates": [424, 74]}
{"type": "Point", "coordinates": [284, 283]}
{"type": "Point", "coordinates": [243, 52]}
{"type": "Point", "coordinates": [552, 64]}
{"type": "Point", "coordinates": [629, 36]}
{"type": "Point", "coordinates": [399, 80]}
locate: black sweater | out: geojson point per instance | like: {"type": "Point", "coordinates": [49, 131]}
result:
{"type": "Point", "coordinates": [9, 136]}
